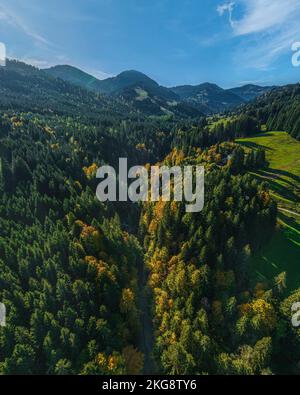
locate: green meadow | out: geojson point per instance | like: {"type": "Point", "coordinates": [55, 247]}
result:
{"type": "Point", "coordinates": [283, 171]}
{"type": "Point", "coordinates": [282, 254]}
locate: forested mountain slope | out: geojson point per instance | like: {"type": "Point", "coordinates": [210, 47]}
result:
{"type": "Point", "coordinates": [210, 97]}
{"type": "Point", "coordinates": [148, 96]}
{"type": "Point", "coordinates": [75, 76]}
{"type": "Point", "coordinates": [279, 109]}
{"type": "Point", "coordinates": [72, 269]}
{"type": "Point", "coordinates": [137, 89]}
{"type": "Point", "coordinates": [250, 92]}
{"type": "Point", "coordinates": [24, 87]}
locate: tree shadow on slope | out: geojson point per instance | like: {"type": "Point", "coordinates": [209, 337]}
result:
{"type": "Point", "coordinates": [278, 188]}
{"type": "Point", "coordinates": [281, 254]}
{"type": "Point", "coordinates": [255, 146]}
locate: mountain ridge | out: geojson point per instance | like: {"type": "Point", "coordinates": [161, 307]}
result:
{"type": "Point", "coordinates": [142, 92]}
{"type": "Point", "coordinates": [33, 89]}
{"type": "Point", "coordinates": [211, 96]}
{"type": "Point", "coordinates": [250, 92]}
{"type": "Point", "coordinates": [137, 87]}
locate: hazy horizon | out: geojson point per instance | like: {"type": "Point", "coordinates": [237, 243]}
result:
{"type": "Point", "coordinates": [167, 86]}
{"type": "Point", "coordinates": [175, 43]}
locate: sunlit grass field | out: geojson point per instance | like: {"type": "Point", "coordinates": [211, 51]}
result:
{"type": "Point", "coordinates": [283, 171]}
{"type": "Point", "coordinates": [282, 254]}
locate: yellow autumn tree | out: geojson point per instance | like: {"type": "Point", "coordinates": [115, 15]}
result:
{"type": "Point", "coordinates": [127, 302]}
{"type": "Point", "coordinates": [264, 315]}
{"type": "Point", "coordinates": [112, 364]}
{"type": "Point", "coordinates": [90, 171]}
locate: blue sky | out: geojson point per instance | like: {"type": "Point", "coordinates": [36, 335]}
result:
{"type": "Point", "coordinates": [173, 41]}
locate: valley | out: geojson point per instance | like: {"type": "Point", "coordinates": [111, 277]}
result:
{"type": "Point", "coordinates": [101, 288]}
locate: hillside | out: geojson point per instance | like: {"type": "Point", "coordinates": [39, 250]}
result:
{"type": "Point", "coordinates": [75, 76]}
{"type": "Point", "coordinates": [279, 109]}
{"type": "Point", "coordinates": [99, 288]}
{"type": "Point", "coordinates": [281, 254]}
{"type": "Point", "coordinates": [132, 78]}
{"type": "Point", "coordinates": [209, 97]}
{"type": "Point", "coordinates": [140, 91]}
{"type": "Point", "coordinates": [110, 86]}
{"type": "Point", "coordinates": [27, 88]}
{"type": "Point", "coordinates": [148, 96]}
{"type": "Point", "coordinates": [250, 92]}
{"type": "Point", "coordinates": [283, 177]}
{"type": "Point", "coordinates": [283, 171]}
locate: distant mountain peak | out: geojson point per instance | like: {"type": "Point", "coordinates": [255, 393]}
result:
{"type": "Point", "coordinates": [250, 92]}
{"type": "Point", "coordinates": [74, 76]}
{"type": "Point", "coordinates": [132, 73]}
{"type": "Point", "coordinates": [141, 90]}
{"type": "Point", "coordinates": [127, 79]}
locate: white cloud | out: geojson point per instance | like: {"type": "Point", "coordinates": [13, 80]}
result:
{"type": "Point", "coordinates": [261, 15]}
{"type": "Point", "coordinates": [268, 28]}
{"type": "Point", "coordinates": [12, 19]}
{"type": "Point", "coordinates": [222, 8]}
{"type": "Point", "coordinates": [227, 7]}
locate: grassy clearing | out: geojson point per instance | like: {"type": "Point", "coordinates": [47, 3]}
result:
{"type": "Point", "coordinates": [283, 172]}
{"type": "Point", "coordinates": [216, 120]}
{"type": "Point", "coordinates": [282, 254]}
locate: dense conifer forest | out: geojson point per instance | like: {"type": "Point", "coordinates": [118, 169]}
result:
{"type": "Point", "coordinates": [115, 288]}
